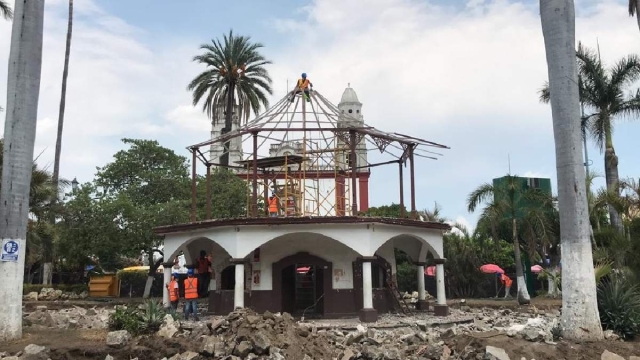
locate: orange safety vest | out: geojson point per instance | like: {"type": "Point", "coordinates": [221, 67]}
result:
{"type": "Point", "coordinates": [191, 288]}
{"type": "Point", "coordinates": [303, 83]}
{"type": "Point", "coordinates": [505, 279]}
{"type": "Point", "coordinates": [173, 292]}
{"type": "Point", "coordinates": [273, 205]}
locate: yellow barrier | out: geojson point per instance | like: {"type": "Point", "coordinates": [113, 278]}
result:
{"type": "Point", "coordinates": [104, 286]}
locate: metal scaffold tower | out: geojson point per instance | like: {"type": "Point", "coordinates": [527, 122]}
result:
{"type": "Point", "coordinates": [312, 156]}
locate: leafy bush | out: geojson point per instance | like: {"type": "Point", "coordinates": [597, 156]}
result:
{"type": "Point", "coordinates": [619, 306]}
{"type": "Point", "coordinates": [125, 318]}
{"type": "Point", "coordinates": [137, 320]}
{"type": "Point", "coordinates": [76, 288]}
{"type": "Point", "coordinates": [406, 277]}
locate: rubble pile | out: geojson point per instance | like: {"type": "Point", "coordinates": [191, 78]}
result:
{"type": "Point", "coordinates": [69, 318]}
{"type": "Point", "coordinates": [50, 294]}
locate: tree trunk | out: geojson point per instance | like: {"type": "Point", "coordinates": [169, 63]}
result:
{"type": "Point", "coordinates": [48, 254]}
{"type": "Point", "coordinates": [613, 183]}
{"type": "Point", "coordinates": [638, 17]}
{"type": "Point", "coordinates": [523, 293]}
{"type": "Point", "coordinates": [23, 90]}
{"type": "Point", "coordinates": [153, 268]}
{"type": "Point", "coordinates": [580, 318]}
{"type": "Point", "coordinates": [228, 124]}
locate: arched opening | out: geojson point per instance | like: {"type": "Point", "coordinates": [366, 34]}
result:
{"type": "Point", "coordinates": [303, 286]}
{"type": "Point", "coordinates": [228, 278]}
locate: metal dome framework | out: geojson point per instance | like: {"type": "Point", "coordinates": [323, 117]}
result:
{"type": "Point", "coordinates": [296, 144]}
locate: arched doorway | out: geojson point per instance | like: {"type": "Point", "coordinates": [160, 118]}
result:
{"type": "Point", "coordinates": [302, 284]}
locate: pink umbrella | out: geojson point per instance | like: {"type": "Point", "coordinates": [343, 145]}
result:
{"type": "Point", "coordinates": [491, 269]}
{"type": "Point", "coordinates": [430, 271]}
{"type": "Point", "coordinates": [536, 269]}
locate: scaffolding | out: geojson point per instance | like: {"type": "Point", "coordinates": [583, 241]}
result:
{"type": "Point", "coordinates": [311, 156]}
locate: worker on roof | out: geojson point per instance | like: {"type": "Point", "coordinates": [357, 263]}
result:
{"type": "Point", "coordinates": [303, 85]}
{"type": "Point", "coordinates": [507, 284]}
{"type": "Point", "coordinates": [273, 205]}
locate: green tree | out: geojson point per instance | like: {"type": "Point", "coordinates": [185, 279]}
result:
{"type": "Point", "coordinates": [524, 209]}
{"type": "Point", "coordinates": [5, 10]}
{"type": "Point", "coordinates": [147, 173]}
{"type": "Point", "coordinates": [392, 211]}
{"type": "Point", "coordinates": [235, 72]}
{"type": "Point", "coordinates": [603, 93]}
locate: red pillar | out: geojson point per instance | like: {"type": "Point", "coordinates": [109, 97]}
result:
{"type": "Point", "coordinates": [364, 192]}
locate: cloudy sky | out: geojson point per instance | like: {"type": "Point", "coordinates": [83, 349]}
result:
{"type": "Point", "coordinates": [464, 73]}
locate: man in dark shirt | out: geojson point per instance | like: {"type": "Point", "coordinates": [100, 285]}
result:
{"type": "Point", "coordinates": [203, 274]}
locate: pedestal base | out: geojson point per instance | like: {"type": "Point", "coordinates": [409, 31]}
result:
{"type": "Point", "coordinates": [422, 305]}
{"type": "Point", "coordinates": [368, 315]}
{"type": "Point", "coordinates": [441, 310]}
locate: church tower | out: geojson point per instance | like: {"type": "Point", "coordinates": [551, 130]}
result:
{"type": "Point", "coordinates": [217, 149]}
{"type": "Point", "coordinates": [351, 116]}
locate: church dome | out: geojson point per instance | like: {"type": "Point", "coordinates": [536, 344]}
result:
{"type": "Point", "coordinates": [349, 95]}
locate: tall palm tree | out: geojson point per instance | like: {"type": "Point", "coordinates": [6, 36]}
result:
{"type": "Point", "coordinates": [580, 317]}
{"type": "Point", "coordinates": [48, 265]}
{"type": "Point", "coordinates": [5, 10]}
{"type": "Point", "coordinates": [25, 67]}
{"type": "Point", "coordinates": [235, 71]}
{"type": "Point", "coordinates": [604, 94]}
{"type": "Point", "coordinates": [523, 208]}
{"type": "Point", "coordinates": [634, 6]}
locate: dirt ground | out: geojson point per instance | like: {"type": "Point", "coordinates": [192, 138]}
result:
{"type": "Point", "coordinates": [540, 303]}
{"type": "Point", "coordinates": [518, 348]}
{"type": "Point", "coordinates": [76, 344]}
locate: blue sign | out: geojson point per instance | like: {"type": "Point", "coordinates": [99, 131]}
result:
{"type": "Point", "coordinates": [10, 250]}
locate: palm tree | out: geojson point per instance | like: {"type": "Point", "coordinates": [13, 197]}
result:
{"type": "Point", "coordinates": [434, 215]}
{"type": "Point", "coordinates": [5, 10]}
{"type": "Point", "coordinates": [523, 208]}
{"type": "Point", "coordinates": [634, 6]}
{"type": "Point", "coordinates": [603, 92]}
{"type": "Point", "coordinates": [48, 265]}
{"type": "Point", "coordinates": [580, 317]}
{"type": "Point", "coordinates": [235, 70]}
{"type": "Point", "coordinates": [23, 90]}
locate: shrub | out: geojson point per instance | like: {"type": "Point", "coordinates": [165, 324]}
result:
{"type": "Point", "coordinates": [152, 315]}
{"type": "Point", "coordinates": [619, 306]}
{"type": "Point", "coordinates": [125, 318]}
{"type": "Point", "coordinates": [138, 320]}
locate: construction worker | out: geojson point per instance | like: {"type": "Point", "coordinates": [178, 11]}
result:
{"type": "Point", "coordinates": [273, 205]}
{"type": "Point", "coordinates": [506, 281]}
{"type": "Point", "coordinates": [174, 293]}
{"type": "Point", "coordinates": [303, 86]}
{"type": "Point", "coordinates": [203, 274]}
{"type": "Point", "coordinates": [191, 295]}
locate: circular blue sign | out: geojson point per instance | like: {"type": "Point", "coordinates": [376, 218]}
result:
{"type": "Point", "coordinates": [10, 247]}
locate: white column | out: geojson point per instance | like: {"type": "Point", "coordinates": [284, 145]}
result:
{"type": "Point", "coordinates": [238, 293]}
{"type": "Point", "coordinates": [421, 292]}
{"type": "Point", "coordinates": [367, 289]}
{"type": "Point", "coordinates": [165, 291]}
{"type": "Point", "coordinates": [442, 298]}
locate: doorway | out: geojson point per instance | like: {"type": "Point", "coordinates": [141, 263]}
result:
{"type": "Point", "coordinates": [302, 289]}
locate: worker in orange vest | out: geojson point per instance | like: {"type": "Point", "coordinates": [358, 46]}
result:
{"type": "Point", "coordinates": [191, 295]}
{"type": "Point", "coordinates": [303, 84]}
{"type": "Point", "coordinates": [273, 205]}
{"type": "Point", "coordinates": [507, 284]}
{"type": "Point", "coordinates": [174, 293]}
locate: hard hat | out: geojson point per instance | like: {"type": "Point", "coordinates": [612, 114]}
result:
{"type": "Point", "coordinates": [190, 271]}
{"type": "Point", "coordinates": [304, 75]}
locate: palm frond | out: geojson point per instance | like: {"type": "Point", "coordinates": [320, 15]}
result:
{"type": "Point", "coordinates": [5, 10]}
{"type": "Point", "coordinates": [480, 195]}
{"type": "Point", "coordinates": [633, 8]}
